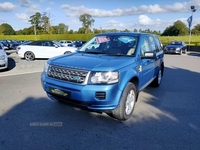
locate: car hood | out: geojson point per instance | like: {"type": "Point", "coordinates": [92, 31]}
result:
{"type": "Point", "coordinates": [92, 61]}
{"type": "Point", "coordinates": [174, 46]}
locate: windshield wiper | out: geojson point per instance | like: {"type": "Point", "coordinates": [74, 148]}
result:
{"type": "Point", "coordinates": [118, 54]}
{"type": "Point", "coordinates": [93, 52]}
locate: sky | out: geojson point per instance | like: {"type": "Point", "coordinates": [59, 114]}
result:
{"type": "Point", "coordinates": [108, 14]}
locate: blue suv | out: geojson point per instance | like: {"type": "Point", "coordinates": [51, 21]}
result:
{"type": "Point", "coordinates": [107, 73]}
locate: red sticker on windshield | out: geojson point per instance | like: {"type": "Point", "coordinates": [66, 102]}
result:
{"type": "Point", "coordinates": [102, 39]}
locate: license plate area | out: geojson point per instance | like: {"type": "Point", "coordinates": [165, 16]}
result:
{"type": "Point", "coordinates": [60, 92]}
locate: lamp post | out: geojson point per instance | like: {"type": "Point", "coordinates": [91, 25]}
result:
{"type": "Point", "coordinates": [193, 9]}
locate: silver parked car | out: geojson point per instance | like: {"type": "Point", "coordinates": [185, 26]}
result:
{"type": "Point", "coordinates": [176, 47]}
{"type": "Point", "coordinates": [3, 58]}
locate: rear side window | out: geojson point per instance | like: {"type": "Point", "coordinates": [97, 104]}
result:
{"type": "Point", "coordinates": [158, 43]}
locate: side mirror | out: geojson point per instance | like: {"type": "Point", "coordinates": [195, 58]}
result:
{"type": "Point", "coordinates": [149, 55]}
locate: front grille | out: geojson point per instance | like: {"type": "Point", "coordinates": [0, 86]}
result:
{"type": "Point", "coordinates": [67, 74]}
{"type": "Point", "coordinates": [3, 65]}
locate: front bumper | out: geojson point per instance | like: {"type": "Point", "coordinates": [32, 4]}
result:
{"type": "Point", "coordinates": [94, 97]}
{"type": "Point", "coordinates": [172, 51]}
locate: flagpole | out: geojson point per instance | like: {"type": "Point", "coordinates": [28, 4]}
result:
{"type": "Point", "coordinates": [190, 32]}
{"type": "Point", "coordinates": [193, 9]}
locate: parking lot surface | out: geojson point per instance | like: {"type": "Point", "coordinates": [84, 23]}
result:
{"type": "Point", "coordinates": [21, 66]}
{"type": "Point", "coordinates": [165, 118]}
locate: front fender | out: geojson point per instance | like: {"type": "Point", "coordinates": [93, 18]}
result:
{"type": "Point", "coordinates": [126, 77]}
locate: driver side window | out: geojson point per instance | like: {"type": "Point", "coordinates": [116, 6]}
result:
{"type": "Point", "coordinates": [145, 46]}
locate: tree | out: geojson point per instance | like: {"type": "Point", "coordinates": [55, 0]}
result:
{"type": "Point", "coordinates": [62, 28]}
{"type": "Point", "coordinates": [87, 21]}
{"type": "Point", "coordinates": [36, 21]}
{"type": "Point", "coordinates": [1, 29]}
{"type": "Point", "coordinates": [7, 29]}
{"type": "Point", "coordinates": [71, 31]}
{"type": "Point", "coordinates": [178, 29]}
{"type": "Point", "coordinates": [135, 30]}
{"type": "Point", "coordinates": [45, 23]}
{"type": "Point", "coordinates": [81, 30]}
{"type": "Point", "coordinates": [96, 31]}
{"type": "Point", "coordinates": [196, 29]}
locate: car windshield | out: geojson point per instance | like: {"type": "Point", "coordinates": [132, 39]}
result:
{"type": "Point", "coordinates": [58, 44]}
{"type": "Point", "coordinates": [111, 45]}
{"type": "Point", "coordinates": [176, 43]}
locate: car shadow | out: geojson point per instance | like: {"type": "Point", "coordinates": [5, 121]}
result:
{"type": "Point", "coordinates": [11, 64]}
{"type": "Point", "coordinates": [165, 118]}
{"type": "Point", "coordinates": [194, 54]}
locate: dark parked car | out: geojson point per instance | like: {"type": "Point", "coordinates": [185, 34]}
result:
{"type": "Point", "coordinates": [176, 47]}
{"type": "Point", "coordinates": [77, 43]}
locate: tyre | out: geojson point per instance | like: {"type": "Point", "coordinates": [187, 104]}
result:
{"type": "Point", "coordinates": [185, 52]}
{"type": "Point", "coordinates": [181, 52]}
{"type": "Point", "coordinates": [127, 103]}
{"type": "Point", "coordinates": [29, 56]}
{"type": "Point", "coordinates": [157, 81]}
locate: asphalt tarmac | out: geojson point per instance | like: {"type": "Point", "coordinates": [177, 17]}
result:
{"type": "Point", "coordinates": [165, 118]}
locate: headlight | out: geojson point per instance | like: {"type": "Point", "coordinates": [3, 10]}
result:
{"type": "Point", "coordinates": [2, 57]}
{"type": "Point", "coordinates": [46, 66]}
{"type": "Point", "coordinates": [177, 48]}
{"type": "Point", "coordinates": [104, 77]}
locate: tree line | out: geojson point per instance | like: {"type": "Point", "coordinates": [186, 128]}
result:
{"type": "Point", "coordinates": [41, 24]}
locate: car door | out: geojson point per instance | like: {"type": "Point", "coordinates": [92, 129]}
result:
{"type": "Point", "coordinates": [49, 49]}
{"type": "Point", "coordinates": [159, 55]}
{"type": "Point", "coordinates": [147, 64]}
{"type": "Point", "coordinates": [36, 48]}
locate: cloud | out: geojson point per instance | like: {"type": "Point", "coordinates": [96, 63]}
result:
{"type": "Point", "coordinates": [72, 11]}
{"type": "Point", "coordinates": [113, 24]}
{"type": "Point", "coordinates": [7, 7]}
{"type": "Point", "coordinates": [33, 9]}
{"type": "Point", "coordinates": [25, 3]}
{"type": "Point", "coordinates": [21, 16]}
{"type": "Point", "coordinates": [151, 9]}
{"type": "Point", "coordinates": [145, 20]}
{"type": "Point", "coordinates": [2, 20]}
{"type": "Point", "coordinates": [48, 9]}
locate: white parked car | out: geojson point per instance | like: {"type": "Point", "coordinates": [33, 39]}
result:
{"type": "Point", "coordinates": [42, 49]}
{"type": "Point", "coordinates": [3, 58]}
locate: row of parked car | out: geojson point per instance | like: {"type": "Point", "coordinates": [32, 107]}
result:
{"type": "Point", "coordinates": [31, 50]}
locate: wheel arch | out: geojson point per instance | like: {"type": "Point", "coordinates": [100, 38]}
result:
{"type": "Point", "coordinates": [67, 52]}
{"type": "Point", "coordinates": [132, 79]}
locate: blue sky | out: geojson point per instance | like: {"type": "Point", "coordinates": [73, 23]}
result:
{"type": "Point", "coordinates": [108, 14]}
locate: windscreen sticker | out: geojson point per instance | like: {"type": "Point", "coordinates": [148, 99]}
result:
{"type": "Point", "coordinates": [102, 39]}
{"type": "Point", "coordinates": [126, 39]}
